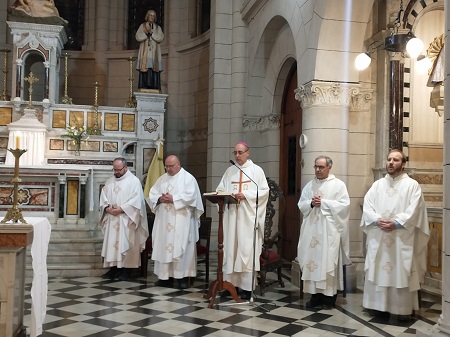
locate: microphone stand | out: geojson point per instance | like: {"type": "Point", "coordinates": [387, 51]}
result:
{"type": "Point", "coordinates": [255, 229]}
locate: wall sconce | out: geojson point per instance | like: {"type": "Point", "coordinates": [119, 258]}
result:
{"type": "Point", "coordinates": [397, 42]}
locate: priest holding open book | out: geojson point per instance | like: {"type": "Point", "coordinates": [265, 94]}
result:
{"type": "Point", "coordinates": [248, 184]}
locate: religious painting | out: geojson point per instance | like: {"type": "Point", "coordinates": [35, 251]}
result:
{"type": "Point", "coordinates": [72, 197]}
{"type": "Point", "coordinates": [148, 154]}
{"type": "Point", "coordinates": [3, 142]}
{"type": "Point", "coordinates": [110, 146]}
{"type": "Point", "coordinates": [111, 121]}
{"type": "Point", "coordinates": [56, 144]}
{"type": "Point", "coordinates": [5, 116]}
{"type": "Point", "coordinates": [59, 119]}
{"type": "Point", "coordinates": [91, 120]}
{"type": "Point", "coordinates": [90, 146]}
{"type": "Point", "coordinates": [128, 121]}
{"type": "Point", "coordinates": [76, 118]}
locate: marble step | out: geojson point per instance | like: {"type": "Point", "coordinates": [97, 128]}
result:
{"type": "Point", "coordinates": [68, 232]}
{"type": "Point", "coordinates": [70, 270]}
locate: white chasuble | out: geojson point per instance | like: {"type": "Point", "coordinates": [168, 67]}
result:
{"type": "Point", "coordinates": [323, 246]}
{"type": "Point", "coordinates": [175, 230]}
{"type": "Point", "coordinates": [397, 258]}
{"type": "Point", "coordinates": [239, 223]}
{"type": "Point", "coordinates": [125, 234]}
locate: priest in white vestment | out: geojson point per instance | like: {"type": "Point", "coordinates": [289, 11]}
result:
{"type": "Point", "coordinates": [323, 247]}
{"type": "Point", "coordinates": [177, 203]}
{"type": "Point", "coordinates": [123, 221]}
{"type": "Point", "coordinates": [239, 220]}
{"type": "Point", "coordinates": [396, 224]}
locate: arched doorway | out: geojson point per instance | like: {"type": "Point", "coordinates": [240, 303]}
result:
{"type": "Point", "coordinates": [290, 166]}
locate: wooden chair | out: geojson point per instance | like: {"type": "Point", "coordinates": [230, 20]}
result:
{"type": "Point", "coordinates": [203, 244]}
{"type": "Point", "coordinates": [270, 260]}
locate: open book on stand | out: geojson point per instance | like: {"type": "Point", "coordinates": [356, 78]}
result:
{"type": "Point", "coordinates": [224, 194]}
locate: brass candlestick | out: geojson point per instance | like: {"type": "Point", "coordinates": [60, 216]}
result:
{"type": "Point", "coordinates": [131, 103]}
{"type": "Point", "coordinates": [14, 213]}
{"type": "Point", "coordinates": [5, 96]}
{"type": "Point", "coordinates": [66, 99]}
{"type": "Point", "coordinates": [96, 130]}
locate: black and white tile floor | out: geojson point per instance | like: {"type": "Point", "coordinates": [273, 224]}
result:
{"type": "Point", "coordinates": [94, 307]}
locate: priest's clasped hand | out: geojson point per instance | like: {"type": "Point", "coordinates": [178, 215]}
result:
{"type": "Point", "coordinates": [386, 225]}
{"type": "Point", "coordinates": [315, 201]}
{"type": "Point", "coordinates": [114, 210]}
{"type": "Point", "coordinates": [166, 198]}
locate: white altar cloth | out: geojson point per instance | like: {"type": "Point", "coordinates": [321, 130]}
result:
{"type": "Point", "coordinates": [39, 286]}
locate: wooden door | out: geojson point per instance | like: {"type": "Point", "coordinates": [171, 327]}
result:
{"type": "Point", "coordinates": [290, 168]}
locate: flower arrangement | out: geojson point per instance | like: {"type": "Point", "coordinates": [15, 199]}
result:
{"type": "Point", "coordinates": [76, 134]}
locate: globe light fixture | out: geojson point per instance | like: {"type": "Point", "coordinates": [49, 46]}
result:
{"type": "Point", "coordinates": [362, 61]}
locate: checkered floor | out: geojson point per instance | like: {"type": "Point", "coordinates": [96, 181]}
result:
{"type": "Point", "coordinates": [92, 306]}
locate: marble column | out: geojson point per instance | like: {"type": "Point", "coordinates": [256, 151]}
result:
{"type": "Point", "coordinates": [396, 83]}
{"type": "Point", "coordinates": [325, 124]}
{"type": "Point", "coordinates": [83, 180]}
{"type": "Point", "coordinates": [18, 77]}
{"type": "Point", "coordinates": [62, 195]}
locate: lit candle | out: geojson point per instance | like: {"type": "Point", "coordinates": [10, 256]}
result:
{"type": "Point", "coordinates": [17, 142]}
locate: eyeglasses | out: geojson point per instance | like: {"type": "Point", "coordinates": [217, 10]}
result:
{"type": "Point", "coordinates": [320, 168]}
{"type": "Point", "coordinates": [239, 152]}
{"type": "Point", "coordinates": [169, 166]}
{"type": "Point", "coordinates": [118, 170]}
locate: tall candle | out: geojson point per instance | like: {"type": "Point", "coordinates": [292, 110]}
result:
{"type": "Point", "coordinates": [17, 142]}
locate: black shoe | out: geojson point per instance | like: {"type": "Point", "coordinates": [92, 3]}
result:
{"type": "Point", "coordinates": [246, 295]}
{"type": "Point", "coordinates": [404, 318]}
{"type": "Point", "coordinates": [111, 274]}
{"type": "Point", "coordinates": [164, 283]}
{"type": "Point", "coordinates": [124, 275]}
{"type": "Point", "coordinates": [183, 283]}
{"type": "Point", "coordinates": [384, 315]}
{"type": "Point", "coordinates": [327, 307]}
{"type": "Point", "coordinates": [315, 301]}
{"type": "Point", "coordinates": [226, 293]}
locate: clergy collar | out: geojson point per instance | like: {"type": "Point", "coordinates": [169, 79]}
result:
{"type": "Point", "coordinates": [246, 164]}
{"type": "Point", "coordinates": [330, 176]}
{"type": "Point", "coordinates": [126, 175]}
{"type": "Point", "coordinates": [397, 178]}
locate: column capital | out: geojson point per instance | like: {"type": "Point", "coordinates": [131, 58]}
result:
{"type": "Point", "coordinates": [317, 93]}
{"type": "Point", "coordinates": [362, 100]}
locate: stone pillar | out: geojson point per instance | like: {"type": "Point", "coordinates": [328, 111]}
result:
{"type": "Point", "coordinates": [150, 113]}
{"type": "Point", "coordinates": [442, 328]}
{"type": "Point", "coordinates": [325, 125]}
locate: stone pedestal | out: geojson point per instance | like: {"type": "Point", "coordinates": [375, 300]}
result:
{"type": "Point", "coordinates": [13, 242]}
